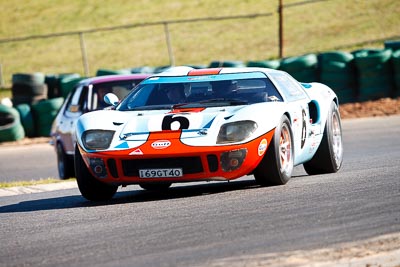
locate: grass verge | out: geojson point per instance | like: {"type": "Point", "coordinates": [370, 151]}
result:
{"type": "Point", "coordinates": [33, 182]}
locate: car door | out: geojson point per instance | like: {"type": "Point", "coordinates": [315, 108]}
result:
{"type": "Point", "coordinates": [298, 108]}
{"type": "Point", "coordinates": [75, 107]}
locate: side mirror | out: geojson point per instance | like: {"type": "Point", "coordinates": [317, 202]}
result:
{"type": "Point", "coordinates": [111, 99]}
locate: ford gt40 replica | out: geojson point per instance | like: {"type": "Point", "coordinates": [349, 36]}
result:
{"type": "Point", "coordinates": [187, 125]}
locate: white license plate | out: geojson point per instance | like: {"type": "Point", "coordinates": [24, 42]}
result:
{"type": "Point", "coordinates": [160, 173]}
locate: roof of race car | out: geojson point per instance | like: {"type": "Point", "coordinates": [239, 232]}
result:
{"type": "Point", "coordinates": [111, 78]}
{"type": "Point", "coordinates": [189, 74]}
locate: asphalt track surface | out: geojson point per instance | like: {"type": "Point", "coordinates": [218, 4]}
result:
{"type": "Point", "coordinates": [219, 223]}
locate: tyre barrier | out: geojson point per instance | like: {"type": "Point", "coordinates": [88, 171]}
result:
{"type": "Point", "coordinates": [67, 83]}
{"type": "Point", "coordinates": [103, 72]}
{"type": "Point", "coordinates": [271, 64]}
{"type": "Point", "coordinates": [11, 128]}
{"type": "Point", "coordinates": [375, 76]}
{"type": "Point", "coordinates": [226, 64]}
{"type": "Point", "coordinates": [26, 118]}
{"type": "Point", "coordinates": [338, 72]}
{"type": "Point", "coordinates": [44, 113]}
{"type": "Point", "coordinates": [394, 45]}
{"type": "Point", "coordinates": [303, 68]}
{"type": "Point", "coordinates": [143, 69]}
{"type": "Point", "coordinates": [54, 81]}
{"type": "Point", "coordinates": [28, 88]}
{"type": "Point", "coordinates": [396, 72]}
{"type": "Point", "coordinates": [28, 78]}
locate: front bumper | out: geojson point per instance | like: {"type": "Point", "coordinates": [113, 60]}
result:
{"type": "Point", "coordinates": [198, 163]}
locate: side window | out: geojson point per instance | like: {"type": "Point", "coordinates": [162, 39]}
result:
{"type": "Point", "coordinates": [289, 87]}
{"type": "Point", "coordinates": [76, 102]}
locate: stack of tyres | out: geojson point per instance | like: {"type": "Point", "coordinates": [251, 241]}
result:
{"type": "Point", "coordinates": [396, 72]}
{"type": "Point", "coordinates": [56, 84]}
{"type": "Point", "coordinates": [338, 72]}
{"type": "Point", "coordinates": [27, 120]}
{"type": "Point", "coordinates": [10, 126]}
{"type": "Point", "coordinates": [303, 68]}
{"type": "Point", "coordinates": [44, 113]}
{"type": "Point", "coordinates": [103, 72]}
{"type": "Point", "coordinates": [375, 76]}
{"type": "Point", "coordinates": [271, 64]}
{"type": "Point", "coordinates": [67, 83]}
{"type": "Point", "coordinates": [226, 64]}
{"type": "Point", "coordinates": [392, 44]}
{"type": "Point", "coordinates": [28, 88]}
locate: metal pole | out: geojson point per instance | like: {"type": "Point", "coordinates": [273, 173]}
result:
{"type": "Point", "coordinates": [1, 77]}
{"type": "Point", "coordinates": [84, 55]}
{"type": "Point", "coordinates": [280, 11]}
{"type": "Point", "coordinates": [167, 38]}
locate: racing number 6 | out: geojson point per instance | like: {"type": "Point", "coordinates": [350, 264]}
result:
{"type": "Point", "coordinates": [170, 119]}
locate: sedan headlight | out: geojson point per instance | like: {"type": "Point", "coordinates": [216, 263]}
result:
{"type": "Point", "coordinates": [236, 131]}
{"type": "Point", "coordinates": [97, 139]}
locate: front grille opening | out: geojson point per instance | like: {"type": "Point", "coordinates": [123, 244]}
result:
{"type": "Point", "coordinates": [212, 162]}
{"type": "Point", "coordinates": [112, 166]}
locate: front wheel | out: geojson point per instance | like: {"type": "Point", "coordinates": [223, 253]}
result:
{"type": "Point", "coordinates": [277, 165]}
{"type": "Point", "coordinates": [89, 186]}
{"type": "Point", "coordinates": [329, 156]}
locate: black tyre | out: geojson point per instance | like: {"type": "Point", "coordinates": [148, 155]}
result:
{"type": "Point", "coordinates": [329, 156]}
{"type": "Point", "coordinates": [65, 163]}
{"type": "Point", "coordinates": [277, 165]}
{"type": "Point", "coordinates": [89, 186]}
{"type": "Point", "coordinates": [28, 78]}
{"type": "Point", "coordinates": [29, 90]}
{"type": "Point", "coordinates": [155, 186]}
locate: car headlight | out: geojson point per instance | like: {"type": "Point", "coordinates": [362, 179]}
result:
{"type": "Point", "coordinates": [236, 131]}
{"type": "Point", "coordinates": [97, 139]}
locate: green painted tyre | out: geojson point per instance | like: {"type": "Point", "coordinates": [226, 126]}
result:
{"type": "Point", "coordinates": [271, 64]}
{"type": "Point", "coordinates": [44, 113]}
{"type": "Point", "coordinates": [11, 128]}
{"type": "Point", "coordinates": [27, 121]}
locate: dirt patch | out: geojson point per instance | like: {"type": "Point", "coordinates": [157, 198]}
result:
{"type": "Point", "coordinates": [375, 252]}
{"type": "Point", "coordinates": [381, 107]}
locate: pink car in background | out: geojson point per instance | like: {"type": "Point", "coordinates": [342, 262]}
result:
{"type": "Point", "coordinates": [86, 96]}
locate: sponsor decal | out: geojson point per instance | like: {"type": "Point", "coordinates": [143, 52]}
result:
{"type": "Point", "coordinates": [136, 152]}
{"type": "Point", "coordinates": [262, 147]}
{"type": "Point", "coordinates": [161, 144]}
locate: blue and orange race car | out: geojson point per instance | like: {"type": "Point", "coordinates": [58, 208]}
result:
{"type": "Point", "coordinates": [187, 125]}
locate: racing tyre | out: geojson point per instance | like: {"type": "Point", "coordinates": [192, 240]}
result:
{"type": "Point", "coordinates": [65, 163]}
{"type": "Point", "coordinates": [329, 156]}
{"type": "Point", "coordinates": [155, 186]}
{"type": "Point", "coordinates": [89, 186]}
{"type": "Point", "coordinates": [277, 165]}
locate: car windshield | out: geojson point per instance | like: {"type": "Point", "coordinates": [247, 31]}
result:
{"type": "Point", "coordinates": [194, 94]}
